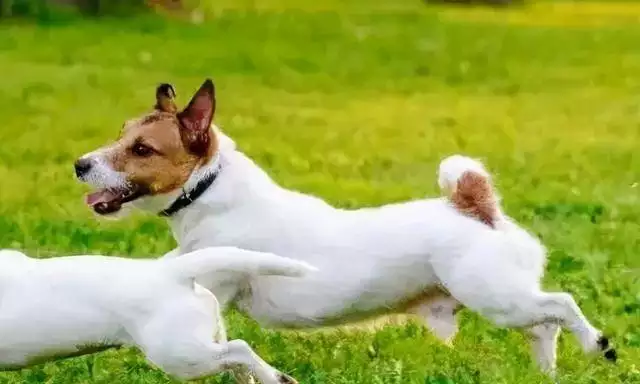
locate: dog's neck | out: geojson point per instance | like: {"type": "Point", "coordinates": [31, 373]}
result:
{"type": "Point", "coordinates": [214, 165]}
{"type": "Point", "coordinates": [203, 178]}
{"type": "Point", "coordinates": [239, 182]}
{"type": "Point", "coordinates": [159, 203]}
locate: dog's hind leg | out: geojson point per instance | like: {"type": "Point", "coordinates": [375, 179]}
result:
{"type": "Point", "coordinates": [544, 342]}
{"type": "Point", "coordinates": [439, 313]}
{"type": "Point", "coordinates": [519, 309]}
{"type": "Point", "coordinates": [562, 308]}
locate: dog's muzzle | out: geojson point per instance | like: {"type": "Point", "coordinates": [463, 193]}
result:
{"type": "Point", "coordinates": [82, 167]}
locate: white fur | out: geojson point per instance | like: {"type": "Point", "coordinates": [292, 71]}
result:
{"type": "Point", "coordinates": [101, 174]}
{"type": "Point", "coordinates": [452, 168]}
{"type": "Point", "coordinates": [372, 260]}
{"type": "Point", "coordinates": [66, 306]}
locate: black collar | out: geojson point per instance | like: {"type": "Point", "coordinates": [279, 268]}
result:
{"type": "Point", "coordinates": [188, 197]}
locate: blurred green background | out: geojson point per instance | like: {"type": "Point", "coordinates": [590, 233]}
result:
{"type": "Point", "coordinates": [357, 102]}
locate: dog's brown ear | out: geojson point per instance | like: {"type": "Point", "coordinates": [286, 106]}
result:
{"type": "Point", "coordinates": [196, 119]}
{"type": "Point", "coordinates": [165, 98]}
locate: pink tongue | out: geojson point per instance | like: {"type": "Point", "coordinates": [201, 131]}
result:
{"type": "Point", "coordinates": [103, 196]}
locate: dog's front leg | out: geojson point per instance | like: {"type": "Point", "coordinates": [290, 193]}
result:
{"type": "Point", "coordinates": [200, 359]}
{"type": "Point", "coordinates": [544, 345]}
{"type": "Point", "coordinates": [438, 311]}
{"type": "Point", "coordinates": [240, 373]}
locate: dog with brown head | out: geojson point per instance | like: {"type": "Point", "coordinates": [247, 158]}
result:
{"type": "Point", "coordinates": [155, 154]}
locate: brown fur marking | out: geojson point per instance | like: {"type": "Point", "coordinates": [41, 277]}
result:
{"type": "Point", "coordinates": [173, 159]}
{"type": "Point", "coordinates": [165, 95]}
{"type": "Point", "coordinates": [152, 118]}
{"type": "Point", "coordinates": [474, 197]}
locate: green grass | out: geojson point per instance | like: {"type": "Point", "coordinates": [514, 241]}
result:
{"type": "Point", "coordinates": [355, 103]}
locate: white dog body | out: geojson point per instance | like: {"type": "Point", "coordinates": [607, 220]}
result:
{"type": "Point", "coordinates": [378, 260]}
{"type": "Point", "coordinates": [370, 260]}
{"type": "Point", "coordinates": [426, 257]}
{"type": "Point", "coordinates": [74, 305]}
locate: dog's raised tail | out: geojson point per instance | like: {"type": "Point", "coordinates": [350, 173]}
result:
{"type": "Point", "coordinates": [205, 261]}
{"type": "Point", "coordinates": [468, 186]}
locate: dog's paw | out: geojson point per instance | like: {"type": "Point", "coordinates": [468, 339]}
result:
{"type": "Point", "coordinates": [603, 343]}
{"type": "Point", "coordinates": [283, 378]}
{"type": "Point", "coordinates": [605, 346]}
{"type": "Point", "coordinates": [611, 355]}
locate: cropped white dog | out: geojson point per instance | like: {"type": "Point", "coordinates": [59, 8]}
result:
{"type": "Point", "coordinates": [75, 305]}
{"type": "Point", "coordinates": [426, 257]}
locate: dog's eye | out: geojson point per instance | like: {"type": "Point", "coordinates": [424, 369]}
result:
{"type": "Point", "coordinates": [142, 150]}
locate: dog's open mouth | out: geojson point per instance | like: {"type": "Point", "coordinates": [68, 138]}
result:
{"type": "Point", "coordinates": [110, 200]}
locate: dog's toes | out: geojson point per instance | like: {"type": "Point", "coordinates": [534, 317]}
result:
{"type": "Point", "coordinates": [286, 379]}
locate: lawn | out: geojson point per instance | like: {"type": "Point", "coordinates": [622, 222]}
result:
{"type": "Point", "coordinates": [356, 103]}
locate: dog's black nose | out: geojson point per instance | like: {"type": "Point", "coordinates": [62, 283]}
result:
{"type": "Point", "coordinates": [82, 166]}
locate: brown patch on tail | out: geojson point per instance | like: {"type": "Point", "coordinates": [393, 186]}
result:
{"type": "Point", "coordinates": [475, 198]}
